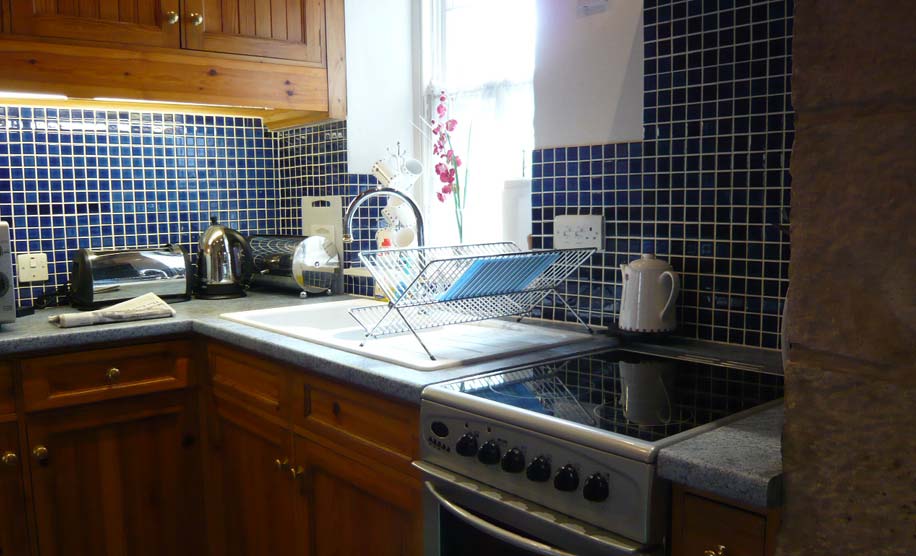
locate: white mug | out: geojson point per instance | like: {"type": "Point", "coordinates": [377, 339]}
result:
{"type": "Point", "coordinates": [384, 171]}
{"type": "Point", "coordinates": [404, 237]}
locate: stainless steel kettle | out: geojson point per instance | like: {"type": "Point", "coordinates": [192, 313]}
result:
{"type": "Point", "coordinates": [224, 263]}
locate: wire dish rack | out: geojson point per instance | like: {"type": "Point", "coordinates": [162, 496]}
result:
{"type": "Point", "coordinates": [430, 287]}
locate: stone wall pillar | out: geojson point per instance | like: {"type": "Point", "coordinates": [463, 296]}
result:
{"type": "Point", "coordinates": [850, 435]}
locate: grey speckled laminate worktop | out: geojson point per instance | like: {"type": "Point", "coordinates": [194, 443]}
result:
{"type": "Point", "coordinates": [34, 334]}
{"type": "Point", "coordinates": [741, 460]}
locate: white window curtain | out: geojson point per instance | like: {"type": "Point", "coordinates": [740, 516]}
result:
{"type": "Point", "coordinates": [481, 52]}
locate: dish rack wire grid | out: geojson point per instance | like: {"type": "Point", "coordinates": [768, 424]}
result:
{"type": "Point", "coordinates": [429, 287]}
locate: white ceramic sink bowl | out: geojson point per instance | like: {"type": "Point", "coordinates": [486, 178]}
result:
{"type": "Point", "coordinates": [330, 324]}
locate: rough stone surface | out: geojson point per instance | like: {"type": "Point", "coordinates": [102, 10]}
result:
{"type": "Point", "coordinates": [741, 460]}
{"type": "Point", "coordinates": [850, 465]}
{"type": "Point", "coordinates": [852, 53]}
{"type": "Point", "coordinates": [849, 443]}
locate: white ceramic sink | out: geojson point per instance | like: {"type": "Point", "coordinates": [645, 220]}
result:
{"type": "Point", "coordinates": [330, 324]}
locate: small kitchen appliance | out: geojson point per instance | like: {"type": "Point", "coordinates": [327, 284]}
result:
{"type": "Point", "coordinates": [650, 288]}
{"type": "Point", "coordinates": [7, 293]}
{"type": "Point", "coordinates": [101, 278]}
{"type": "Point", "coordinates": [224, 263]}
{"type": "Point", "coordinates": [560, 457]}
{"type": "Point", "coordinates": [294, 263]}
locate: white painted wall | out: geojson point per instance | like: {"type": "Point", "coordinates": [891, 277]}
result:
{"type": "Point", "coordinates": [380, 79]}
{"type": "Point", "coordinates": [588, 81]}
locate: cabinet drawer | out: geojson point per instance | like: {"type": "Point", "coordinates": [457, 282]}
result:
{"type": "Point", "coordinates": [6, 390]}
{"type": "Point", "coordinates": [103, 374]}
{"type": "Point", "coordinates": [709, 525]}
{"type": "Point", "coordinates": [257, 383]}
{"type": "Point", "coordinates": [331, 410]}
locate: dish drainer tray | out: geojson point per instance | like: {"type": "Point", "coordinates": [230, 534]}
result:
{"type": "Point", "coordinates": [429, 287]}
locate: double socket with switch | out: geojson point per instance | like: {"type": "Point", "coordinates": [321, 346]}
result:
{"type": "Point", "coordinates": [573, 231]}
{"type": "Point", "coordinates": [32, 267]}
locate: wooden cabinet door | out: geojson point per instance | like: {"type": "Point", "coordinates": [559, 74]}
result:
{"type": "Point", "coordinates": [135, 22]}
{"type": "Point", "coordinates": [284, 29]}
{"type": "Point", "coordinates": [13, 533]}
{"type": "Point", "coordinates": [351, 505]}
{"type": "Point", "coordinates": [251, 492]}
{"type": "Point", "coordinates": [117, 478]}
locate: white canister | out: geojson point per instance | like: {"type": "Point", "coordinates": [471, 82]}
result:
{"type": "Point", "coordinates": [650, 288]}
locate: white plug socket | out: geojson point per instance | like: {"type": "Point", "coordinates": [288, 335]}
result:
{"type": "Point", "coordinates": [32, 267]}
{"type": "Point", "coordinates": [574, 231]}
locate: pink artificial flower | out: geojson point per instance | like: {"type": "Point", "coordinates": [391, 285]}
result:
{"type": "Point", "coordinates": [441, 168]}
{"type": "Point", "coordinates": [447, 188]}
{"type": "Point", "coordinates": [457, 161]}
{"type": "Point", "coordinates": [449, 155]}
{"type": "Point", "coordinates": [441, 197]}
{"type": "Point", "coordinates": [450, 125]}
{"type": "Point", "coordinates": [441, 110]}
{"type": "Point", "coordinates": [437, 130]}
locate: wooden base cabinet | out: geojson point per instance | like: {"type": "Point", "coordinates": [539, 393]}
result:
{"type": "Point", "coordinates": [117, 478]}
{"type": "Point", "coordinates": [355, 507]}
{"type": "Point", "coordinates": [317, 469]}
{"type": "Point", "coordinates": [251, 495]}
{"type": "Point", "coordinates": [707, 525]}
{"type": "Point", "coordinates": [14, 539]}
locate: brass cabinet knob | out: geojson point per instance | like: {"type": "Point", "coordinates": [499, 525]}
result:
{"type": "Point", "coordinates": [113, 374]}
{"type": "Point", "coordinates": [9, 459]}
{"type": "Point", "coordinates": [296, 472]}
{"type": "Point", "coordinates": [281, 464]}
{"type": "Point", "coordinates": [41, 454]}
{"type": "Point", "coordinates": [171, 17]}
{"type": "Point", "coordinates": [196, 19]}
{"type": "Point", "coordinates": [719, 551]}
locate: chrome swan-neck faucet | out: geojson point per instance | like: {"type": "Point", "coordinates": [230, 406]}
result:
{"type": "Point", "coordinates": [370, 193]}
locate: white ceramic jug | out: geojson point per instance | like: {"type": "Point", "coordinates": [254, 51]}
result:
{"type": "Point", "coordinates": [650, 288]}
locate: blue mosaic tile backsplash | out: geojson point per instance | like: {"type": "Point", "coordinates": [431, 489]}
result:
{"type": "Point", "coordinates": [707, 186]}
{"type": "Point", "coordinates": [107, 179]}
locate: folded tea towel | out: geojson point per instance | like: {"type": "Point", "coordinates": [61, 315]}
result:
{"type": "Point", "coordinates": [146, 306]}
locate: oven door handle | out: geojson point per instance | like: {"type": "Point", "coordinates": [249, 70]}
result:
{"type": "Point", "coordinates": [509, 537]}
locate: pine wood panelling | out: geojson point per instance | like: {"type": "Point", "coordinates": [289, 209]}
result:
{"type": "Point", "coordinates": [154, 74]}
{"type": "Point", "coordinates": [137, 22]}
{"type": "Point", "coordinates": [13, 529]}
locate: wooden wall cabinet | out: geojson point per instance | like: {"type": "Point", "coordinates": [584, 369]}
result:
{"type": "Point", "coordinates": [707, 525]}
{"type": "Point", "coordinates": [282, 60]}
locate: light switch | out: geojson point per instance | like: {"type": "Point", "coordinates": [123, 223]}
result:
{"type": "Point", "coordinates": [32, 267]}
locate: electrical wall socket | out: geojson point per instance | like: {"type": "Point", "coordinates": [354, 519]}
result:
{"type": "Point", "coordinates": [32, 267]}
{"type": "Point", "coordinates": [573, 231]}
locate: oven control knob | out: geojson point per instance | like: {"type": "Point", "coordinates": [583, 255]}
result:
{"type": "Point", "coordinates": [596, 488]}
{"type": "Point", "coordinates": [489, 453]}
{"type": "Point", "coordinates": [566, 479]}
{"type": "Point", "coordinates": [539, 470]}
{"type": "Point", "coordinates": [513, 461]}
{"type": "Point", "coordinates": [467, 445]}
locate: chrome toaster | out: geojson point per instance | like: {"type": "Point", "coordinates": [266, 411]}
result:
{"type": "Point", "coordinates": [101, 278]}
{"type": "Point", "coordinates": [7, 294]}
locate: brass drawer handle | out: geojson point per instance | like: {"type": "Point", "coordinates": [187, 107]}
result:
{"type": "Point", "coordinates": [113, 375]}
{"type": "Point", "coordinates": [719, 551]}
{"type": "Point", "coordinates": [10, 459]}
{"type": "Point", "coordinates": [42, 455]}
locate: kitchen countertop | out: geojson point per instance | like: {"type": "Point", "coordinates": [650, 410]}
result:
{"type": "Point", "coordinates": [741, 460]}
{"type": "Point", "coordinates": [34, 333]}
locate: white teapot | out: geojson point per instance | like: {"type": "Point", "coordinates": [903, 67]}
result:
{"type": "Point", "coordinates": [650, 288]}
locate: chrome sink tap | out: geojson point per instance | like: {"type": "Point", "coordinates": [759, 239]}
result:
{"type": "Point", "coordinates": [368, 194]}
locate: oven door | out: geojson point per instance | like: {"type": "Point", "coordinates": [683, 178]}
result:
{"type": "Point", "coordinates": [463, 517]}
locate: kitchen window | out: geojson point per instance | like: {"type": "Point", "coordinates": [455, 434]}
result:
{"type": "Point", "coordinates": [482, 54]}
